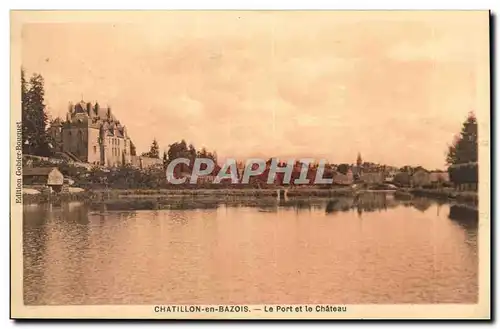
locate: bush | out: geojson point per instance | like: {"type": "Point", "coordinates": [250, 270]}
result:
{"type": "Point", "coordinates": [402, 179]}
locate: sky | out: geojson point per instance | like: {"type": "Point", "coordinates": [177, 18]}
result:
{"type": "Point", "coordinates": [393, 86]}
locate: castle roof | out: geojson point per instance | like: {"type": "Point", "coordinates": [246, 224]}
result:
{"type": "Point", "coordinates": [97, 117]}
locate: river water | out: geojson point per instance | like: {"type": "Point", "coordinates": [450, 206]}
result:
{"type": "Point", "coordinates": [373, 250]}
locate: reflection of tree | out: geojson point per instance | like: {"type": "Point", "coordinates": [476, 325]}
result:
{"type": "Point", "coordinates": [330, 206]}
{"type": "Point", "coordinates": [360, 212]}
{"type": "Point", "coordinates": [370, 202]}
{"type": "Point", "coordinates": [467, 217]}
{"type": "Point", "coordinates": [339, 204]}
{"type": "Point", "coordinates": [46, 239]}
{"type": "Point", "coordinates": [363, 202]}
{"type": "Point", "coordinates": [75, 212]}
{"type": "Point", "coordinates": [34, 251]}
{"type": "Point", "coordinates": [421, 204]}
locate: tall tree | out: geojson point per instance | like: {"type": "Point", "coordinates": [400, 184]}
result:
{"type": "Point", "coordinates": [359, 161]}
{"type": "Point", "coordinates": [407, 169]}
{"type": "Point", "coordinates": [464, 147]}
{"type": "Point", "coordinates": [35, 136]}
{"type": "Point", "coordinates": [177, 150]}
{"type": "Point", "coordinates": [154, 151]}
{"type": "Point", "coordinates": [203, 153]}
{"type": "Point", "coordinates": [165, 160]}
{"type": "Point", "coordinates": [133, 150]}
{"type": "Point", "coordinates": [192, 152]}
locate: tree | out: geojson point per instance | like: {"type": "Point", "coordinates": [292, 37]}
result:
{"type": "Point", "coordinates": [154, 151]}
{"type": "Point", "coordinates": [407, 169]}
{"type": "Point", "coordinates": [359, 161]}
{"type": "Point", "coordinates": [402, 178]}
{"type": "Point", "coordinates": [34, 118]}
{"type": "Point", "coordinates": [165, 160]}
{"type": "Point", "coordinates": [192, 152]}
{"type": "Point", "coordinates": [462, 155]}
{"type": "Point", "coordinates": [343, 168]}
{"type": "Point", "coordinates": [177, 150]}
{"type": "Point", "coordinates": [133, 150]}
{"type": "Point", "coordinates": [203, 153]}
{"type": "Point", "coordinates": [464, 147]}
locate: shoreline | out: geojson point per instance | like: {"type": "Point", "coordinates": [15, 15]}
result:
{"type": "Point", "coordinates": [184, 194]}
{"type": "Point", "coordinates": [465, 197]}
{"type": "Point", "coordinates": [144, 198]}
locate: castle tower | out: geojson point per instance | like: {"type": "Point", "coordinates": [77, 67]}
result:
{"type": "Point", "coordinates": [55, 131]}
{"type": "Point", "coordinates": [359, 161]}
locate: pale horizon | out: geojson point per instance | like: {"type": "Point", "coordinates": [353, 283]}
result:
{"type": "Point", "coordinates": [393, 87]}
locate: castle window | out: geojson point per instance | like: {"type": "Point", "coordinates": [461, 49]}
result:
{"type": "Point", "coordinates": [95, 149]}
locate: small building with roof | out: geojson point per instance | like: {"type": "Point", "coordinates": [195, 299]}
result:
{"type": "Point", "coordinates": [43, 177]}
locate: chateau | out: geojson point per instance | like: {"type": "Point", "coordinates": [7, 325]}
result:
{"type": "Point", "coordinates": [92, 134]}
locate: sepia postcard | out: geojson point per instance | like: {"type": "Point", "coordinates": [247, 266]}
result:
{"type": "Point", "coordinates": [250, 164]}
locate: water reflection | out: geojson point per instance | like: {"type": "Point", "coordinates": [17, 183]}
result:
{"type": "Point", "coordinates": [371, 248]}
{"type": "Point", "coordinates": [467, 218]}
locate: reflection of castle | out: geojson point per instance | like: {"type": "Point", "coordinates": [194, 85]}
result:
{"type": "Point", "coordinates": [92, 134]}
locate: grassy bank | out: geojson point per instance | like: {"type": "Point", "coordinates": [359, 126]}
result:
{"type": "Point", "coordinates": [466, 197]}
{"type": "Point", "coordinates": [293, 192]}
{"type": "Point", "coordinates": [168, 198]}
{"type": "Point", "coordinates": [100, 196]}
{"type": "Point", "coordinates": [57, 198]}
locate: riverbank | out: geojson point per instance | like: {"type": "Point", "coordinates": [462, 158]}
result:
{"type": "Point", "coordinates": [209, 198]}
{"type": "Point", "coordinates": [216, 194]}
{"type": "Point", "coordinates": [465, 197]}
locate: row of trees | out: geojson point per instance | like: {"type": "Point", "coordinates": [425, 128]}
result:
{"type": "Point", "coordinates": [179, 150]}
